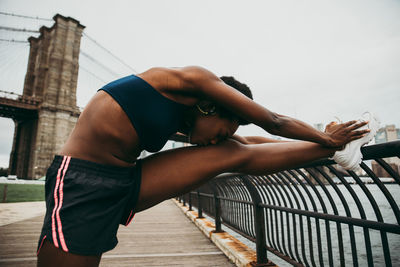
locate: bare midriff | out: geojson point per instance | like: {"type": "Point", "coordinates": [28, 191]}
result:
{"type": "Point", "coordinates": [103, 134]}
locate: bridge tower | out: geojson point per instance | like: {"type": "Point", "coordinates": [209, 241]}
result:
{"type": "Point", "coordinates": [51, 79]}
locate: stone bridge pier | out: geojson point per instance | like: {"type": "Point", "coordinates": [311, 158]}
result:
{"type": "Point", "coordinates": [51, 80]}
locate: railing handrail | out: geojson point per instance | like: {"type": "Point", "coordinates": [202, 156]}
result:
{"type": "Point", "coordinates": [376, 151]}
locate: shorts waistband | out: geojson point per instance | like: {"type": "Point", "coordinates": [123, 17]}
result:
{"type": "Point", "coordinates": [89, 166]}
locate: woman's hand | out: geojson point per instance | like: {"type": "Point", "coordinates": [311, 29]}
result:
{"type": "Point", "coordinates": [343, 133]}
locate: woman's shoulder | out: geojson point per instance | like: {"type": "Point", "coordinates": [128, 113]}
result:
{"type": "Point", "coordinates": [180, 84]}
{"type": "Point", "coordinates": [188, 77]}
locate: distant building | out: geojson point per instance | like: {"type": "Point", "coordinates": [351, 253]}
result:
{"type": "Point", "coordinates": [387, 134]}
{"type": "Point", "coordinates": [319, 126]}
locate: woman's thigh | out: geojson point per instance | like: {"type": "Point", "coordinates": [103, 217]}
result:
{"type": "Point", "coordinates": [173, 172]}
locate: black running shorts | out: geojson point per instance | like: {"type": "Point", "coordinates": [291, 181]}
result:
{"type": "Point", "coordinates": [86, 202]}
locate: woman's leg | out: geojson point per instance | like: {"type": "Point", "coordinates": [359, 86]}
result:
{"type": "Point", "coordinates": [174, 172]}
{"type": "Point", "coordinates": [50, 256]}
{"type": "Point", "coordinates": [177, 171]}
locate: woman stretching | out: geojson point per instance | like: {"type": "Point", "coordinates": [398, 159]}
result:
{"type": "Point", "coordinates": [97, 181]}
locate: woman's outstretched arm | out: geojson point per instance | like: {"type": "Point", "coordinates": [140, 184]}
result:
{"type": "Point", "coordinates": [340, 135]}
{"type": "Point", "coordinates": [209, 86]}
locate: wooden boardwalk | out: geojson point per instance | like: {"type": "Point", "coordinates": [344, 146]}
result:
{"type": "Point", "coordinates": [160, 236]}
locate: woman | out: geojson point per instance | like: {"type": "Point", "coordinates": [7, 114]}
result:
{"type": "Point", "coordinates": [99, 183]}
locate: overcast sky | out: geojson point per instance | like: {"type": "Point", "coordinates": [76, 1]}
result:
{"type": "Point", "coordinates": [312, 60]}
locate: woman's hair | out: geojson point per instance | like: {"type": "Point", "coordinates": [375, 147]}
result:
{"type": "Point", "coordinates": [241, 87]}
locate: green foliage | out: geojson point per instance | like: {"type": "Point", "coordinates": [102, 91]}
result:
{"type": "Point", "coordinates": [22, 192]}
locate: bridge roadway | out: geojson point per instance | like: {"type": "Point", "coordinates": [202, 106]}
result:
{"type": "Point", "coordinates": [17, 106]}
{"type": "Point", "coordinates": [160, 236]}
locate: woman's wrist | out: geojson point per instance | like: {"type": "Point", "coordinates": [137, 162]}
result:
{"type": "Point", "coordinates": [326, 140]}
{"type": "Point", "coordinates": [330, 143]}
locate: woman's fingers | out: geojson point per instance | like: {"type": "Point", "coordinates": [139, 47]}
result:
{"type": "Point", "coordinates": [357, 125]}
{"type": "Point", "coordinates": [353, 125]}
{"type": "Point", "coordinates": [355, 137]}
{"type": "Point", "coordinates": [359, 134]}
{"type": "Point", "coordinates": [347, 124]}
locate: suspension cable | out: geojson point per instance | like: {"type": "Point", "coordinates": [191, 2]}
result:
{"type": "Point", "coordinates": [17, 29]}
{"type": "Point", "coordinates": [109, 52]}
{"type": "Point", "coordinates": [23, 16]}
{"type": "Point", "coordinates": [91, 73]}
{"type": "Point", "coordinates": [13, 41]}
{"type": "Point", "coordinates": [98, 63]}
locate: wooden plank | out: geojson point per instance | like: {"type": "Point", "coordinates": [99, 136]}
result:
{"type": "Point", "coordinates": [160, 236]}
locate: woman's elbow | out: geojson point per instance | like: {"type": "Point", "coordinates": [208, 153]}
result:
{"type": "Point", "coordinates": [276, 123]}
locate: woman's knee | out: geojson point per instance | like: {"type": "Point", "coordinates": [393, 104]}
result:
{"type": "Point", "coordinates": [238, 154]}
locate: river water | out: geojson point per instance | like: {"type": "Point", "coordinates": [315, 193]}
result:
{"type": "Point", "coordinates": [375, 236]}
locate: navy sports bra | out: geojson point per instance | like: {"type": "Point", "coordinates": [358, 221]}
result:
{"type": "Point", "coordinates": [154, 117]}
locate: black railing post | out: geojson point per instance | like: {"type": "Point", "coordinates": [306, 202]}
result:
{"type": "Point", "coordinates": [190, 201]}
{"type": "Point", "coordinates": [217, 208]}
{"type": "Point", "coordinates": [259, 223]}
{"type": "Point", "coordinates": [217, 214]}
{"type": "Point", "coordinates": [200, 208]}
{"type": "Point", "coordinates": [183, 200]}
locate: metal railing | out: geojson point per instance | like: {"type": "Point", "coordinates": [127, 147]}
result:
{"type": "Point", "coordinates": [315, 215]}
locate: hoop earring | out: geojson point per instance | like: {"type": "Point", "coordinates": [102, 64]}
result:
{"type": "Point", "coordinates": [204, 112]}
